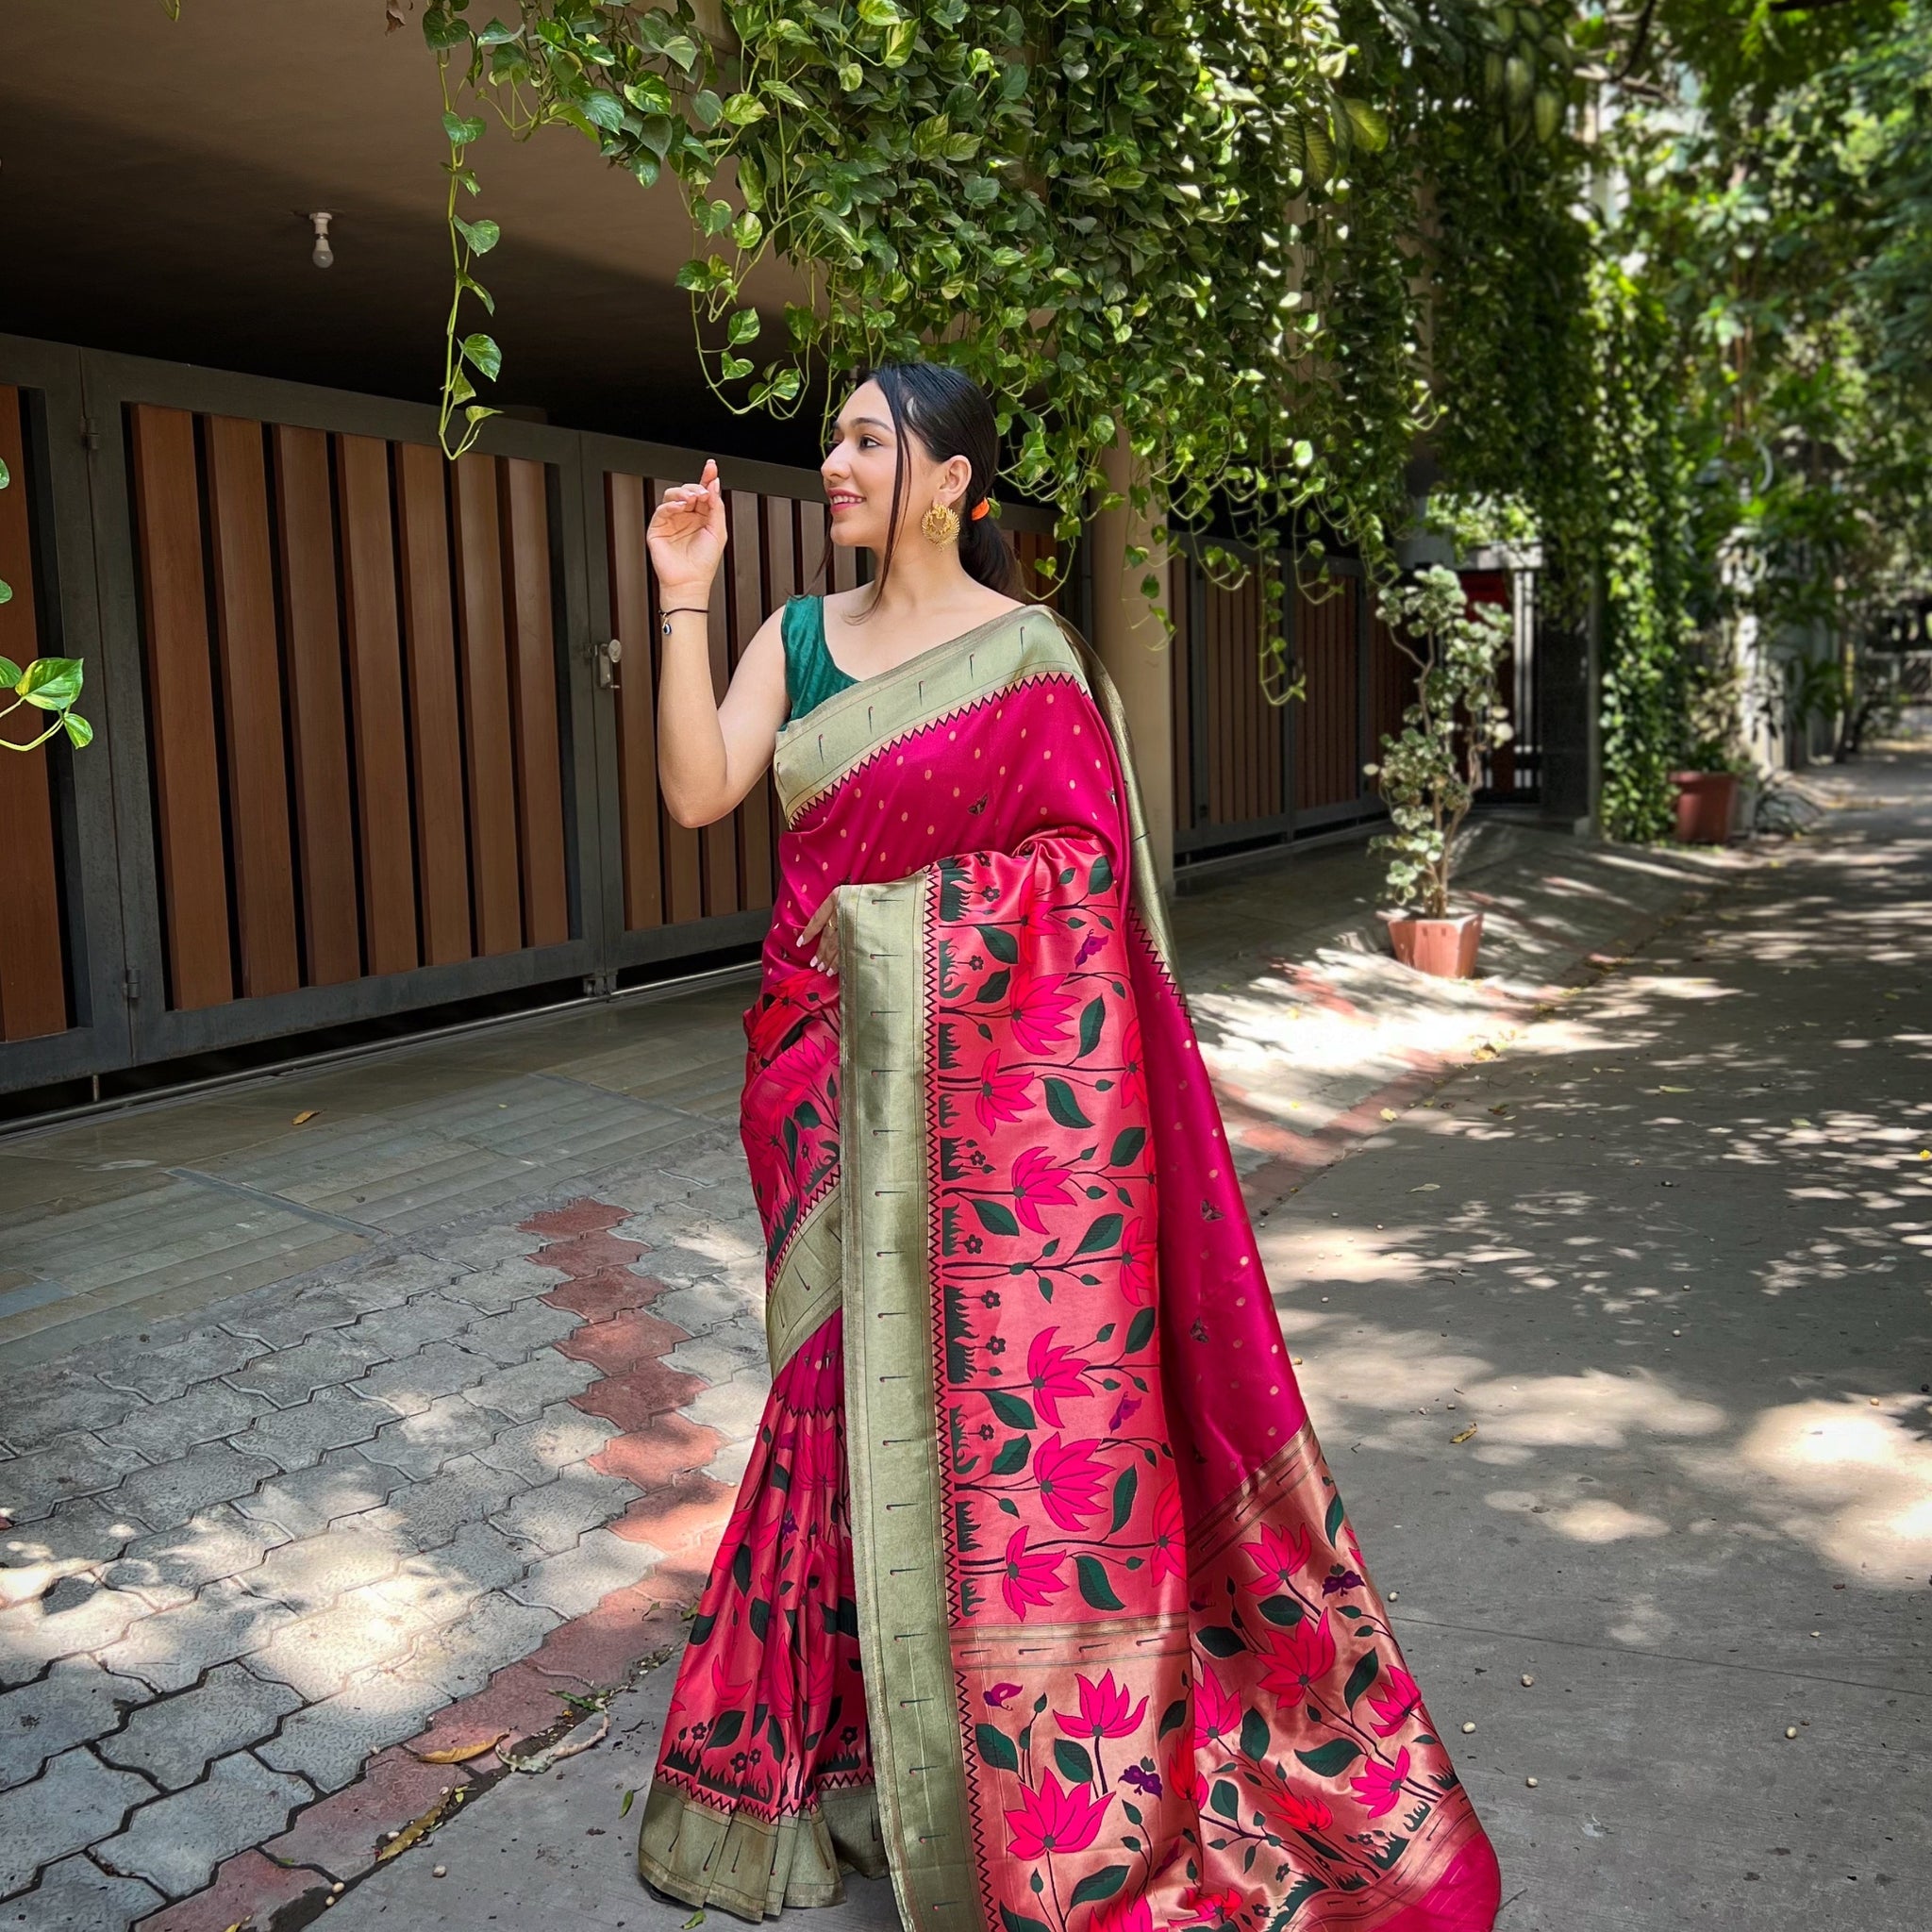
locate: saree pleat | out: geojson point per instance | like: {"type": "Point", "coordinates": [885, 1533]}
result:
{"type": "Point", "coordinates": [1038, 1595]}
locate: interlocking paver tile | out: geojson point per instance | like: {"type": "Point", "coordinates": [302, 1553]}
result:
{"type": "Point", "coordinates": [423, 1515]}
{"type": "Point", "coordinates": [80, 1464]}
{"type": "Point", "coordinates": [296, 1438]}
{"type": "Point", "coordinates": [61, 1401]}
{"type": "Point", "coordinates": [312, 1574]}
{"type": "Point", "coordinates": [461, 1660]}
{"type": "Point", "coordinates": [174, 1739]}
{"type": "Point", "coordinates": [408, 1387]}
{"type": "Point", "coordinates": [733, 1407]}
{"type": "Point", "coordinates": [89, 1527]}
{"type": "Point", "coordinates": [274, 1318]}
{"type": "Point", "coordinates": [76, 1895]}
{"type": "Point", "coordinates": [581, 1576]}
{"type": "Point", "coordinates": [704, 1305]}
{"type": "Point", "coordinates": [319, 1654]}
{"type": "Point", "coordinates": [514, 1336]}
{"type": "Point", "coordinates": [171, 1649]}
{"type": "Point", "coordinates": [36, 1634]}
{"type": "Point", "coordinates": [177, 1842]}
{"type": "Point", "coordinates": [327, 1741]}
{"type": "Point", "coordinates": [440, 1585]}
{"type": "Point", "coordinates": [504, 1282]}
{"type": "Point", "coordinates": [171, 1369]}
{"type": "Point", "coordinates": [418, 1445]}
{"type": "Point", "coordinates": [292, 1375]}
{"type": "Point", "coordinates": [342, 1483]}
{"type": "Point", "coordinates": [76, 1801]}
{"type": "Point", "coordinates": [171, 1565]}
{"type": "Point", "coordinates": [553, 1518]}
{"type": "Point", "coordinates": [535, 1451]}
{"type": "Point", "coordinates": [394, 1333]}
{"type": "Point", "coordinates": [163, 1430]}
{"type": "Point", "coordinates": [75, 1702]}
{"type": "Point", "coordinates": [170, 1492]}
{"type": "Point", "coordinates": [523, 1394]}
{"type": "Point", "coordinates": [709, 1360]}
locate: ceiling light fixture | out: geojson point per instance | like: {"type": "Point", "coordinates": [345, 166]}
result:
{"type": "Point", "coordinates": [323, 256]}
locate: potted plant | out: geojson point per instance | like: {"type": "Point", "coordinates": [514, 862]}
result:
{"type": "Point", "coordinates": [1714, 760]}
{"type": "Point", "coordinates": [1430, 770]}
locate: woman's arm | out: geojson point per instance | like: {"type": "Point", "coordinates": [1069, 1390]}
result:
{"type": "Point", "coordinates": [709, 754]}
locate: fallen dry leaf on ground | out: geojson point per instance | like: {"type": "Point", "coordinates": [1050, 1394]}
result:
{"type": "Point", "coordinates": [460, 1753]}
{"type": "Point", "coordinates": [308, 1113]}
{"type": "Point", "coordinates": [1465, 1435]}
{"type": "Point", "coordinates": [579, 1739]}
{"type": "Point", "coordinates": [624, 1809]}
{"type": "Point", "coordinates": [416, 1830]}
{"type": "Point", "coordinates": [1389, 1113]}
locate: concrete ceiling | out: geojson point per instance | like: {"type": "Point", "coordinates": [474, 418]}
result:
{"type": "Point", "coordinates": [156, 175]}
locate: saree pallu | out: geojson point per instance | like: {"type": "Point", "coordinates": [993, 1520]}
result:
{"type": "Point", "coordinates": [1038, 1595]}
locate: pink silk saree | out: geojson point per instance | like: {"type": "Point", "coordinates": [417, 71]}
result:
{"type": "Point", "coordinates": [1038, 1595]}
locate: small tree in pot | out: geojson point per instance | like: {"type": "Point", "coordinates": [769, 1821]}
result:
{"type": "Point", "coordinates": [1431, 769]}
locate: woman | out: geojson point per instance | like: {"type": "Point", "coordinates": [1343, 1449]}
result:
{"type": "Point", "coordinates": [1038, 1593]}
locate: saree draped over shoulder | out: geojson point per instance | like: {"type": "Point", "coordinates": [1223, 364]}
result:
{"type": "Point", "coordinates": [1039, 1594]}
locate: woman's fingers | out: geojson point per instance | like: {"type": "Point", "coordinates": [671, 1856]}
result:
{"type": "Point", "coordinates": [819, 937]}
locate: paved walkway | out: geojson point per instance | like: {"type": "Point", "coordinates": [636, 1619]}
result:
{"type": "Point", "coordinates": [411, 1425]}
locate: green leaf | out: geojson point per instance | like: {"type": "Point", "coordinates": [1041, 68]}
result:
{"type": "Point", "coordinates": [1126, 1147]}
{"type": "Point", "coordinates": [1330, 1760]}
{"type": "Point", "coordinates": [1092, 1018]}
{"type": "Point", "coordinates": [1064, 1108]}
{"type": "Point", "coordinates": [481, 236]}
{"type": "Point", "coordinates": [1000, 943]}
{"type": "Point", "coordinates": [499, 35]}
{"type": "Point", "coordinates": [1255, 1735]}
{"type": "Point", "coordinates": [1370, 126]}
{"type": "Point", "coordinates": [52, 683]}
{"type": "Point", "coordinates": [6, 474]}
{"type": "Point", "coordinates": [649, 95]}
{"type": "Point", "coordinates": [1174, 1717]}
{"type": "Point", "coordinates": [1225, 1798]}
{"type": "Point", "coordinates": [1100, 877]}
{"type": "Point", "coordinates": [78, 730]}
{"type": "Point", "coordinates": [1283, 1611]}
{"type": "Point", "coordinates": [1012, 1457]}
{"type": "Point", "coordinates": [604, 111]}
{"type": "Point", "coordinates": [1128, 1481]}
{"type": "Point", "coordinates": [995, 1747]}
{"type": "Point", "coordinates": [1011, 1409]}
{"type": "Point", "coordinates": [1104, 1232]}
{"type": "Point", "coordinates": [1094, 1587]}
{"type": "Point", "coordinates": [1332, 1526]}
{"type": "Point", "coordinates": [1074, 1762]}
{"type": "Point", "coordinates": [461, 132]}
{"type": "Point", "coordinates": [740, 110]}
{"type": "Point", "coordinates": [1360, 1678]}
{"type": "Point", "coordinates": [996, 1217]}
{"type": "Point", "coordinates": [1217, 1639]}
{"type": "Point", "coordinates": [880, 12]}
{"type": "Point", "coordinates": [706, 110]}
{"type": "Point", "coordinates": [484, 353]}
{"type": "Point", "coordinates": [1100, 1885]}
{"type": "Point", "coordinates": [10, 673]}
{"type": "Point", "coordinates": [1141, 1331]}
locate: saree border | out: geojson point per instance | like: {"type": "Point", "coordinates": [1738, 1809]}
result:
{"type": "Point", "coordinates": [806, 1288]}
{"type": "Point", "coordinates": [893, 1437]}
{"type": "Point", "coordinates": [819, 751]}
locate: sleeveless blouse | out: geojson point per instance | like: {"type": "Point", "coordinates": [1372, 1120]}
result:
{"type": "Point", "coordinates": [810, 675]}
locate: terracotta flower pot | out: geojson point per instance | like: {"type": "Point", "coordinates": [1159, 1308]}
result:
{"type": "Point", "coordinates": [1705, 800]}
{"type": "Point", "coordinates": [1445, 947]}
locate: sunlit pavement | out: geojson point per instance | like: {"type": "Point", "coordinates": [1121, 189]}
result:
{"type": "Point", "coordinates": [270, 1546]}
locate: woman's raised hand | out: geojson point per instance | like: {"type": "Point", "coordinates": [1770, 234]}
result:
{"type": "Point", "coordinates": [687, 533]}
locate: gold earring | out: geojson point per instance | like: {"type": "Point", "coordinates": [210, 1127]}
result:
{"type": "Point", "coordinates": [940, 524]}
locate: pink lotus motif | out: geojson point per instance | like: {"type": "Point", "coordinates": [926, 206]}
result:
{"type": "Point", "coordinates": [1202, 1906]}
{"type": "Point", "coordinates": [1297, 1659]}
{"type": "Point", "coordinates": [1279, 1558]}
{"type": "Point", "coordinates": [1395, 1697]}
{"type": "Point", "coordinates": [1122, 1914]}
{"type": "Point", "coordinates": [730, 1696]}
{"type": "Point", "coordinates": [1031, 1577]}
{"type": "Point", "coordinates": [1137, 1263]}
{"type": "Point", "coordinates": [1053, 1819]}
{"type": "Point", "coordinates": [1169, 1557]}
{"type": "Point", "coordinates": [1216, 1713]}
{"type": "Point", "coordinates": [1069, 1480]}
{"type": "Point", "coordinates": [1184, 1775]}
{"type": "Point", "coordinates": [1054, 1374]}
{"type": "Point", "coordinates": [1133, 1068]}
{"type": "Point", "coordinates": [1379, 1786]}
{"type": "Point", "coordinates": [1103, 1711]}
{"type": "Point", "coordinates": [1001, 1096]}
{"type": "Point", "coordinates": [1036, 1182]}
{"type": "Point", "coordinates": [1042, 1010]}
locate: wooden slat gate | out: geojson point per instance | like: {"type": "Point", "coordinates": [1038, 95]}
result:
{"type": "Point", "coordinates": [361, 747]}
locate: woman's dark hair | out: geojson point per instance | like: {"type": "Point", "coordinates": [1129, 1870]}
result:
{"type": "Point", "coordinates": [950, 415]}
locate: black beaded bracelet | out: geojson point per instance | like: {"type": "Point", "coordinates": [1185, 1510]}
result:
{"type": "Point", "coordinates": [681, 610]}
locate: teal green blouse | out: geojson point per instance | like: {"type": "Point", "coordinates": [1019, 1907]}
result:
{"type": "Point", "coordinates": [810, 676]}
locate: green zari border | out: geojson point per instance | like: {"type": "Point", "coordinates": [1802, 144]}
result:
{"type": "Point", "coordinates": [809, 1283]}
{"type": "Point", "coordinates": [891, 1426]}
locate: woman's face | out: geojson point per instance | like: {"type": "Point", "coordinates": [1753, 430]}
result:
{"type": "Point", "coordinates": [859, 469]}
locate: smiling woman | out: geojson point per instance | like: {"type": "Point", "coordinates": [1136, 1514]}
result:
{"type": "Point", "coordinates": [1038, 1595]}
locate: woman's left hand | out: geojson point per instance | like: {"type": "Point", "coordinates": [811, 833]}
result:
{"type": "Point", "coordinates": [818, 935]}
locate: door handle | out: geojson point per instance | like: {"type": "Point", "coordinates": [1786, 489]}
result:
{"type": "Point", "coordinates": [608, 656]}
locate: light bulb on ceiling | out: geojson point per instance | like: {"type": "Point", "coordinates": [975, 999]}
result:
{"type": "Point", "coordinates": [323, 256]}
